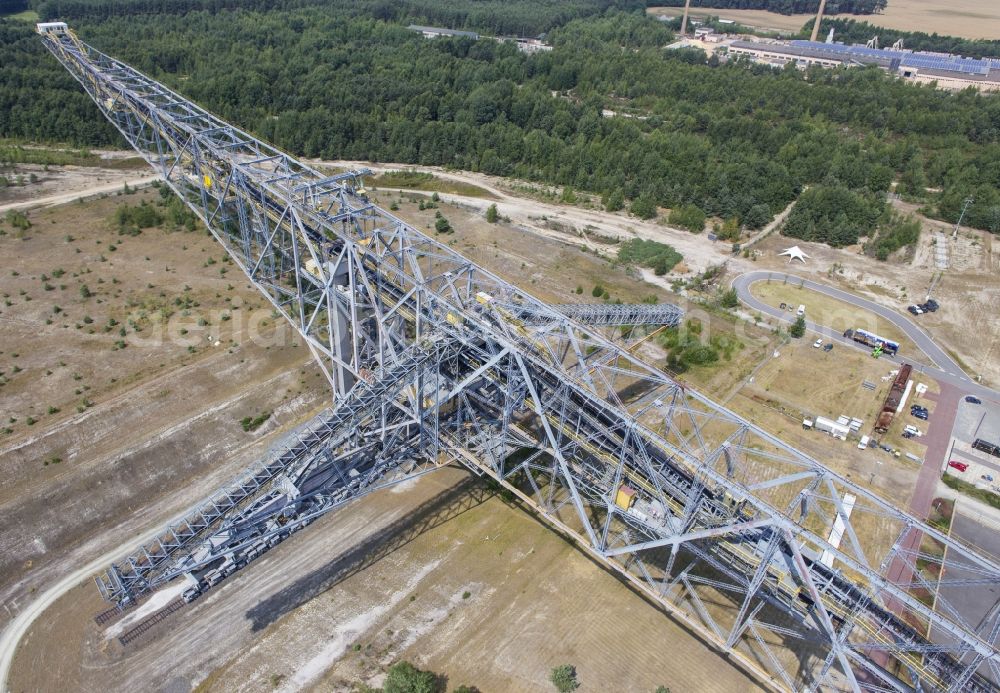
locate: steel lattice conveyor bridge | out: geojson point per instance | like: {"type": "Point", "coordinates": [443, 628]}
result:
{"type": "Point", "coordinates": [433, 360]}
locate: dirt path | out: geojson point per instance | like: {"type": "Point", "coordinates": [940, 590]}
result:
{"type": "Point", "coordinates": [11, 636]}
{"type": "Point", "coordinates": [574, 225]}
{"type": "Point", "coordinates": [778, 220]}
{"type": "Point", "coordinates": [122, 178]}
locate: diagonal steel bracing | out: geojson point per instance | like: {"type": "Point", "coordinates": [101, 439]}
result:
{"type": "Point", "coordinates": [725, 526]}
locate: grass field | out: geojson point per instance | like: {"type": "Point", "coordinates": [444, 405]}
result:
{"type": "Point", "coordinates": [833, 313]}
{"type": "Point", "coordinates": [966, 18]}
{"type": "Point", "coordinates": [15, 152]}
{"type": "Point", "coordinates": [26, 16]}
{"type": "Point", "coordinates": [805, 382]}
{"type": "Point", "coordinates": [415, 180]}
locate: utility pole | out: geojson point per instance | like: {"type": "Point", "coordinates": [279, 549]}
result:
{"type": "Point", "coordinates": [965, 207]}
{"type": "Point", "coordinates": [819, 18]}
{"type": "Point", "coordinates": [684, 22]}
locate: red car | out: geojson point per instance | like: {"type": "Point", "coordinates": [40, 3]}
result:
{"type": "Point", "coordinates": [960, 466]}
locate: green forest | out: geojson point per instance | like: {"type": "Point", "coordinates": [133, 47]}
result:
{"type": "Point", "coordinates": [348, 80]}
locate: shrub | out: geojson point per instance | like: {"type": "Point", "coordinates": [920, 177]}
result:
{"type": "Point", "coordinates": [729, 299]}
{"type": "Point", "coordinates": [614, 201]}
{"type": "Point", "coordinates": [403, 677]}
{"type": "Point", "coordinates": [643, 207]}
{"type": "Point", "coordinates": [660, 257]}
{"type": "Point", "coordinates": [19, 220]}
{"type": "Point", "coordinates": [757, 217]}
{"type": "Point", "coordinates": [689, 217]}
{"type": "Point", "coordinates": [253, 423]}
{"type": "Point", "coordinates": [798, 328]}
{"type": "Point", "coordinates": [492, 215]}
{"type": "Point", "coordinates": [131, 219]}
{"type": "Point", "coordinates": [564, 678]}
{"type": "Point", "coordinates": [442, 225]}
{"type": "Point", "coordinates": [893, 233]}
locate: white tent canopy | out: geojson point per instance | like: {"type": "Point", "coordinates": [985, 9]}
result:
{"type": "Point", "coordinates": [795, 253]}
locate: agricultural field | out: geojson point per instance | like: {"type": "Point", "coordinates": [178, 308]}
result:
{"type": "Point", "coordinates": [973, 19]}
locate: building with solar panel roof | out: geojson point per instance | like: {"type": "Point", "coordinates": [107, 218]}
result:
{"type": "Point", "coordinates": [948, 71]}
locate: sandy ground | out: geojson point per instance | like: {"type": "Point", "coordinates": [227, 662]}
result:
{"type": "Point", "coordinates": [158, 427]}
{"type": "Point", "coordinates": [966, 18]}
{"type": "Point", "coordinates": [98, 441]}
{"type": "Point", "coordinates": [162, 417]}
{"type": "Point", "coordinates": [60, 184]}
{"type": "Point", "coordinates": [570, 224]}
{"type": "Point", "coordinates": [440, 574]}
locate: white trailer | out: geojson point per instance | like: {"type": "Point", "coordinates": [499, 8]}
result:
{"type": "Point", "coordinates": [832, 427]}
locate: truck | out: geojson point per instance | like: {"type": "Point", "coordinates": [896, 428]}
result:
{"type": "Point", "coordinates": [873, 340]}
{"type": "Point", "coordinates": [987, 447]}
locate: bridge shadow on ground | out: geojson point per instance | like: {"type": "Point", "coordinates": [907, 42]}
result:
{"type": "Point", "coordinates": [447, 505]}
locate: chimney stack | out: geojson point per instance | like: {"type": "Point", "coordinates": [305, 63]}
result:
{"type": "Point", "coordinates": [819, 18]}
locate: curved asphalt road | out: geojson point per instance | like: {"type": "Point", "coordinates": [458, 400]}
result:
{"type": "Point", "coordinates": [947, 369]}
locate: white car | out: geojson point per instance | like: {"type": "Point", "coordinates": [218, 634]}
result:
{"type": "Point", "coordinates": [818, 343]}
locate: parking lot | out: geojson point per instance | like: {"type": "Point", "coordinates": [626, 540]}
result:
{"type": "Point", "coordinates": [971, 604]}
{"type": "Point", "coordinates": [976, 421]}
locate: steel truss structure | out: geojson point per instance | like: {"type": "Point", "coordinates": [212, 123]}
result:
{"type": "Point", "coordinates": [802, 577]}
{"type": "Point", "coordinates": [623, 314]}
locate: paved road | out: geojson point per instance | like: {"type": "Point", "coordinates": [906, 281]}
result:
{"type": "Point", "coordinates": [946, 370]}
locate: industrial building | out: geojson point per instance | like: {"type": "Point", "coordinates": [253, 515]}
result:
{"type": "Point", "coordinates": [948, 71]}
{"type": "Point", "coordinates": [435, 32]}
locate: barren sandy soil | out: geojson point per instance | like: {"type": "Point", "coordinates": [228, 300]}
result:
{"type": "Point", "coordinates": [967, 18]}
{"type": "Point", "coordinates": [438, 573]}
{"type": "Point", "coordinates": [100, 440]}
{"type": "Point", "coordinates": [593, 229]}
{"type": "Point", "coordinates": [60, 184]}
{"type": "Point", "coordinates": [158, 429]}
{"type": "Point", "coordinates": [383, 579]}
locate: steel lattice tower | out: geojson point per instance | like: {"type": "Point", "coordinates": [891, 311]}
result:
{"type": "Point", "coordinates": [804, 578]}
